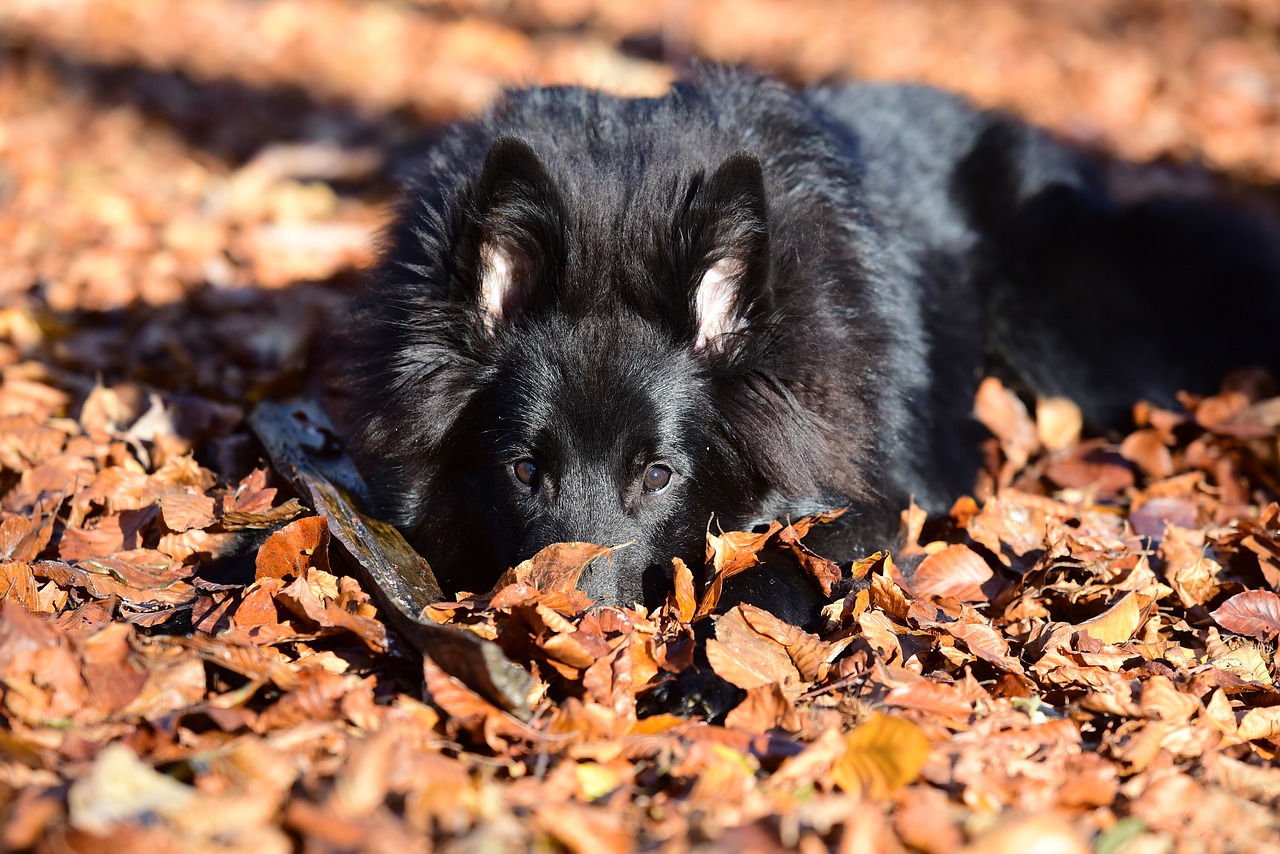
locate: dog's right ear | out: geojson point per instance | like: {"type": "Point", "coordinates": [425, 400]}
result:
{"type": "Point", "coordinates": [514, 234]}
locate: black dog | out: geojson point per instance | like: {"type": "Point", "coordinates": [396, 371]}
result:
{"type": "Point", "coordinates": [620, 321]}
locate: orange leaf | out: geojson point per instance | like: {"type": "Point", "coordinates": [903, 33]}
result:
{"type": "Point", "coordinates": [685, 600]}
{"type": "Point", "coordinates": [1255, 613]}
{"type": "Point", "coordinates": [1259, 724]}
{"type": "Point", "coordinates": [744, 657]}
{"type": "Point", "coordinates": [881, 756]}
{"type": "Point", "coordinates": [1148, 451]}
{"type": "Point", "coordinates": [984, 642]}
{"type": "Point", "coordinates": [18, 584]}
{"type": "Point", "coordinates": [801, 527]}
{"type": "Point", "coordinates": [888, 596]}
{"type": "Point", "coordinates": [556, 568]}
{"type": "Point", "coordinates": [735, 551]}
{"type": "Point", "coordinates": [765, 708]}
{"type": "Point", "coordinates": [948, 703]}
{"type": "Point", "coordinates": [1001, 412]}
{"type": "Point", "coordinates": [183, 511]}
{"type": "Point", "coordinates": [956, 571]}
{"type": "Point", "coordinates": [301, 544]}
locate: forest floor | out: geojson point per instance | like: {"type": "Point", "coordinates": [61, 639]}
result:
{"type": "Point", "coordinates": [188, 195]}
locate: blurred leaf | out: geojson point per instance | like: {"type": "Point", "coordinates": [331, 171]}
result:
{"type": "Point", "coordinates": [881, 756]}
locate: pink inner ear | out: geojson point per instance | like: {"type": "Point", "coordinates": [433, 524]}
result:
{"type": "Point", "coordinates": [714, 303]}
{"type": "Point", "coordinates": [497, 284]}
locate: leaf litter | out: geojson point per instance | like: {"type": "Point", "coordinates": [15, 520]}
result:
{"type": "Point", "coordinates": [1084, 656]}
{"type": "Point", "coordinates": [1046, 659]}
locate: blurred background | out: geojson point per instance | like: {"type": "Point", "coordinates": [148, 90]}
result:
{"type": "Point", "coordinates": [189, 188]}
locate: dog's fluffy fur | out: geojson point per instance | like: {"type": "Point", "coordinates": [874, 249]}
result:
{"type": "Point", "coordinates": [761, 302]}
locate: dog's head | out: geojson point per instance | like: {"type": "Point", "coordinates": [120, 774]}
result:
{"type": "Point", "coordinates": [590, 373]}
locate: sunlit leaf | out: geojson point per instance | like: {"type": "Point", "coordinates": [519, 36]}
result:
{"type": "Point", "coordinates": [1255, 613]}
{"type": "Point", "coordinates": [956, 571]}
{"type": "Point", "coordinates": [881, 756]}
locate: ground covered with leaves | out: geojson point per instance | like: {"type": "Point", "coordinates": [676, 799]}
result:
{"type": "Point", "coordinates": [1084, 659]}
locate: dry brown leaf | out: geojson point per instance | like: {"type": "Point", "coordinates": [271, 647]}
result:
{"type": "Point", "coordinates": [18, 584]}
{"type": "Point", "coordinates": [1146, 449]}
{"type": "Point", "coordinates": [23, 539]}
{"type": "Point", "coordinates": [887, 595]}
{"type": "Point", "coordinates": [1030, 834]}
{"type": "Point", "coordinates": [822, 570]}
{"type": "Point", "coordinates": [1120, 621]}
{"type": "Point", "coordinates": [249, 506]}
{"type": "Point", "coordinates": [1262, 723]}
{"type": "Point", "coordinates": [107, 535]}
{"type": "Point", "coordinates": [296, 547]}
{"type": "Point", "coordinates": [744, 657]}
{"type": "Point", "coordinates": [556, 568]}
{"type": "Point", "coordinates": [109, 669]}
{"type": "Point", "coordinates": [119, 787]}
{"type": "Point", "coordinates": [584, 830]}
{"type": "Point", "coordinates": [610, 682]}
{"type": "Point", "coordinates": [1257, 783]}
{"type": "Point", "coordinates": [878, 631]}
{"type": "Point", "coordinates": [984, 642]}
{"type": "Point", "coordinates": [317, 697]}
{"type": "Point", "coordinates": [1240, 666]}
{"type": "Point", "coordinates": [880, 757]}
{"type": "Point", "coordinates": [1254, 613]}
{"type": "Point", "coordinates": [765, 708]}
{"type": "Point", "coordinates": [956, 571]}
{"type": "Point", "coordinates": [1058, 423]}
{"type": "Point", "coordinates": [735, 551]}
{"type": "Point", "coordinates": [1001, 412]}
{"type": "Point", "coordinates": [42, 674]}
{"type": "Point", "coordinates": [1187, 567]}
{"type": "Point", "coordinates": [182, 511]}
{"type": "Point", "coordinates": [684, 599]}
{"type": "Point", "coordinates": [948, 703]}
{"type": "Point", "coordinates": [1156, 514]}
{"type": "Point", "coordinates": [141, 577]}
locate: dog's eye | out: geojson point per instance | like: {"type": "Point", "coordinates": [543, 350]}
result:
{"type": "Point", "coordinates": [526, 471]}
{"type": "Point", "coordinates": [656, 478]}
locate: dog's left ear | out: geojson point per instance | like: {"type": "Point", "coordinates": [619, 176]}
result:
{"type": "Point", "coordinates": [728, 224]}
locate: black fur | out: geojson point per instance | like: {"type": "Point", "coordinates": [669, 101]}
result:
{"type": "Point", "coordinates": [785, 299]}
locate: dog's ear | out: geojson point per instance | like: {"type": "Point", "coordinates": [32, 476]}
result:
{"type": "Point", "coordinates": [728, 230]}
{"type": "Point", "coordinates": [514, 235]}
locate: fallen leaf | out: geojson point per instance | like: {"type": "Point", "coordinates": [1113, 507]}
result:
{"type": "Point", "coordinates": [556, 568]}
{"type": "Point", "coordinates": [1001, 412]}
{"type": "Point", "coordinates": [296, 547]}
{"type": "Point", "coordinates": [880, 757]}
{"type": "Point", "coordinates": [120, 787]}
{"type": "Point", "coordinates": [765, 708]}
{"type": "Point", "coordinates": [1255, 613]}
{"type": "Point", "coordinates": [684, 599]}
{"type": "Point", "coordinates": [1147, 450]}
{"type": "Point", "coordinates": [1058, 423]}
{"type": "Point", "coordinates": [956, 571]}
{"type": "Point", "coordinates": [1119, 622]}
{"type": "Point", "coordinates": [744, 657]}
{"type": "Point", "coordinates": [1263, 723]}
